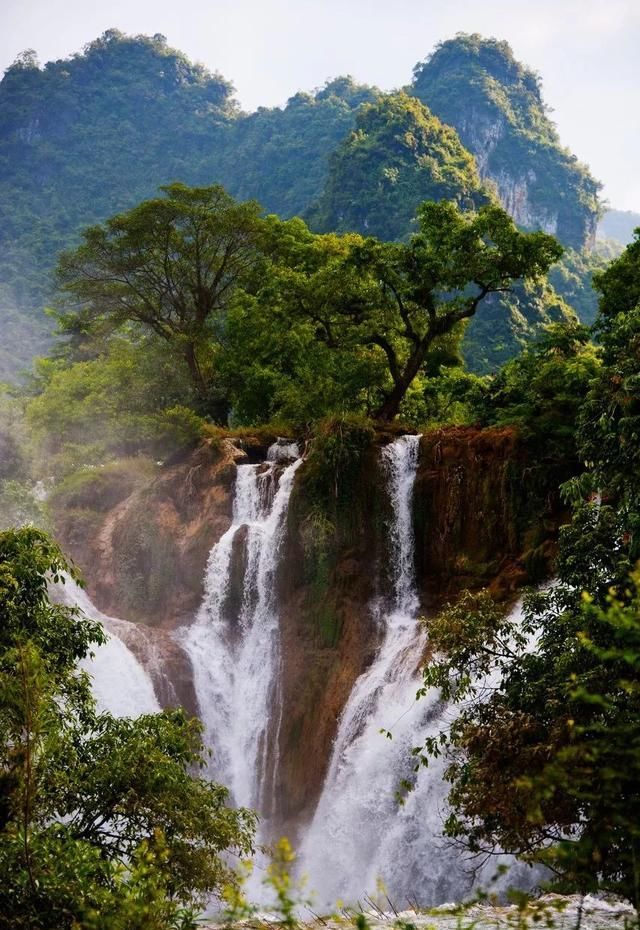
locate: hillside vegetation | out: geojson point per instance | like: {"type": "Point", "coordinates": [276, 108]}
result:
{"type": "Point", "coordinates": [89, 136]}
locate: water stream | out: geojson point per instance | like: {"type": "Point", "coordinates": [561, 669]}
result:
{"type": "Point", "coordinates": [121, 684]}
{"type": "Point", "coordinates": [236, 654]}
{"type": "Point", "coordinates": [360, 834]}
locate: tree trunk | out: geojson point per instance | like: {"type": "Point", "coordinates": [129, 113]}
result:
{"type": "Point", "coordinates": [195, 372]}
{"type": "Point", "coordinates": [390, 407]}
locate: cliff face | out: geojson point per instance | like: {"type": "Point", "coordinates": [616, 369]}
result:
{"type": "Point", "coordinates": [495, 103]}
{"type": "Point", "coordinates": [142, 543]}
{"type": "Point", "coordinates": [483, 516]}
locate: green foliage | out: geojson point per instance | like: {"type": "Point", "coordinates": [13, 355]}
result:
{"type": "Point", "coordinates": [572, 279]}
{"type": "Point", "coordinates": [280, 156]}
{"type": "Point", "coordinates": [542, 390]}
{"type": "Point", "coordinates": [28, 559]}
{"type": "Point", "coordinates": [398, 155]}
{"type": "Point", "coordinates": [510, 322]}
{"type": "Point", "coordinates": [169, 266]}
{"type": "Point", "coordinates": [546, 762]}
{"type": "Point", "coordinates": [477, 86]}
{"type": "Point", "coordinates": [275, 368]}
{"type": "Point", "coordinates": [398, 302]}
{"type": "Point", "coordinates": [102, 823]}
{"type": "Point", "coordinates": [100, 488]}
{"type": "Point", "coordinates": [128, 399]}
{"type": "Point", "coordinates": [544, 755]}
{"type": "Point", "coordinates": [72, 126]}
{"type": "Point", "coordinates": [334, 464]}
{"type": "Point", "coordinates": [610, 418]}
{"type": "Point", "coordinates": [20, 504]}
{"type": "Point", "coordinates": [68, 131]}
{"type": "Point", "coordinates": [619, 284]}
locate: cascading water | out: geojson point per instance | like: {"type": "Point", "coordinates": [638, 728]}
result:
{"type": "Point", "coordinates": [236, 656]}
{"type": "Point", "coordinates": [120, 684]}
{"type": "Point", "coordinates": [359, 833]}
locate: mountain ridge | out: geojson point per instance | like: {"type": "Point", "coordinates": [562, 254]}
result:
{"type": "Point", "coordinates": [86, 137]}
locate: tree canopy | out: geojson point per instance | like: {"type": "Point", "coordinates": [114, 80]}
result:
{"type": "Point", "coordinates": [102, 823]}
{"type": "Point", "coordinates": [171, 265]}
{"type": "Point", "coordinates": [398, 300]}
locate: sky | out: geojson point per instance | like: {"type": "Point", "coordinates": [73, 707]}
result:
{"type": "Point", "coordinates": [587, 52]}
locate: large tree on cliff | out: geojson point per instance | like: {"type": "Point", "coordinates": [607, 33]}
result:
{"type": "Point", "coordinates": [170, 265]}
{"type": "Point", "coordinates": [399, 299]}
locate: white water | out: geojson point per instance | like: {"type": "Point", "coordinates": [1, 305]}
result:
{"type": "Point", "coordinates": [236, 659]}
{"type": "Point", "coordinates": [360, 834]}
{"type": "Point", "coordinates": [120, 683]}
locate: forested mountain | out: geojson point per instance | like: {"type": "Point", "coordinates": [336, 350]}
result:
{"type": "Point", "coordinates": [279, 155]}
{"type": "Point", "coordinates": [496, 105]}
{"type": "Point", "coordinates": [398, 155]}
{"type": "Point", "coordinates": [87, 137]}
{"type": "Point", "coordinates": [83, 138]}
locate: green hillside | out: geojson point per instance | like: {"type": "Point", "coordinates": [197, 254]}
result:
{"type": "Point", "coordinates": [398, 155]}
{"type": "Point", "coordinates": [496, 105]}
{"type": "Point", "coordinates": [89, 136]}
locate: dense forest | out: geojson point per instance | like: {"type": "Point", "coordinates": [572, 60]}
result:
{"type": "Point", "coordinates": [68, 129]}
{"type": "Point", "coordinates": [357, 366]}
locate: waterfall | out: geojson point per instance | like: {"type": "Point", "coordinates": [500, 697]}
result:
{"type": "Point", "coordinates": [360, 834]}
{"type": "Point", "coordinates": [235, 653]}
{"type": "Point", "coordinates": [120, 684]}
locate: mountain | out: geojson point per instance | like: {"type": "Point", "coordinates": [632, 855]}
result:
{"type": "Point", "coordinates": [398, 155]}
{"type": "Point", "coordinates": [496, 105]}
{"type": "Point", "coordinates": [279, 156]}
{"type": "Point", "coordinates": [618, 225]}
{"type": "Point", "coordinates": [89, 136]}
{"type": "Point", "coordinates": [84, 138]}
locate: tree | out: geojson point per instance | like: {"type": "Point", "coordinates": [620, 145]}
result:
{"type": "Point", "coordinates": [544, 751]}
{"type": "Point", "coordinates": [102, 823]}
{"type": "Point", "coordinates": [170, 265]}
{"type": "Point", "coordinates": [398, 156]}
{"type": "Point", "coordinates": [398, 300]}
{"type": "Point", "coordinates": [542, 390]}
{"type": "Point", "coordinates": [116, 404]}
{"type": "Point", "coordinates": [544, 754]}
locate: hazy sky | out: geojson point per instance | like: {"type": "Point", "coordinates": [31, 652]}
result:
{"type": "Point", "coordinates": [587, 51]}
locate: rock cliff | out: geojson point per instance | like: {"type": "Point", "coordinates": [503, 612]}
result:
{"type": "Point", "coordinates": [483, 514]}
{"type": "Point", "coordinates": [477, 86]}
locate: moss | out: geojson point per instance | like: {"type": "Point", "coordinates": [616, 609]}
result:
{"type": "Point", "coordinates": [318, 567]}
{"type": "Point", "coordinates": [330, 483]}
{"type": "Point", "coordinates": [76, 525]}
{"type": "Point", "coordinates": [100, 489]}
